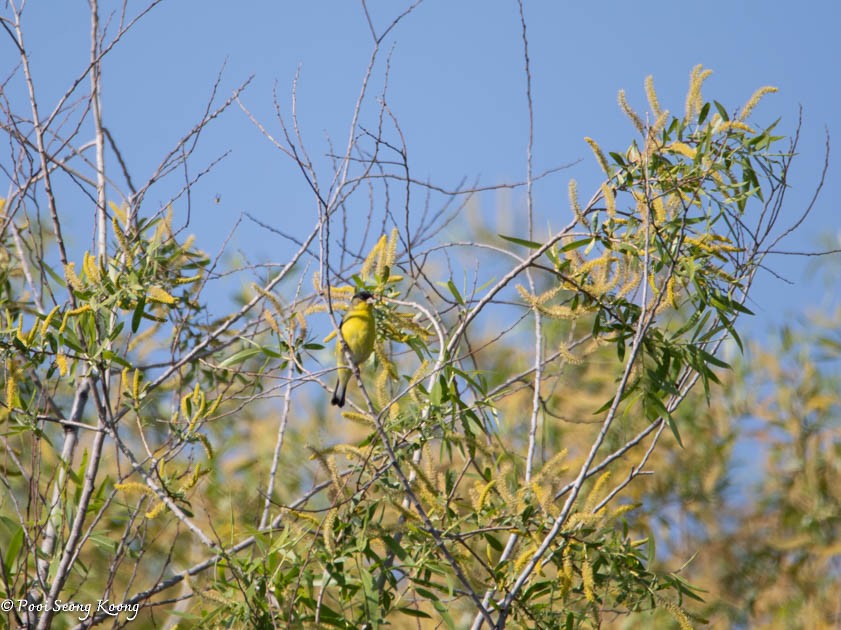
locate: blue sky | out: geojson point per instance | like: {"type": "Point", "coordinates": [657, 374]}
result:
{"type": "Point", "coordinates": [457, 87]}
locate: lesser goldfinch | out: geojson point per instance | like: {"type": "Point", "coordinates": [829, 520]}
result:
{"type": "Point", "coordinates": [359, 331]}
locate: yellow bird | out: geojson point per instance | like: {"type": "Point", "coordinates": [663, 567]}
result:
{"type": "Point", "coordinates": [359, 331]}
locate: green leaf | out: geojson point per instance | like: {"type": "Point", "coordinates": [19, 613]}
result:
{"type": "Point", "coordinates": [520, 241]}
{"type": "Point", "coordinates": [414, 613]}
{"type": "Point", "coordinates": [11, 551]}
{"type": "Point", "coordinates": [445, 615]}
{"type": "Point", "coordinates": [452, 287]}
{"type": "Point", "coordinates": [493, 543]}
{"type": "Point", "coordinates": [673, 427]}
{"type": "Point", "coordinates": [394, 547]}
{"type": "Point", "coordinates": [117, 330]}
{"type": "Point", "coordinates": [576, 244]}
{"type": "Point", "coordinates": [240, 357]}
{"type": "Point", "coordinates": [711, 358]}
{"type": "Point", "coordinates": [137, 315]}
{"type": "Point", "coordinates": [426, 594]}
{"type": "Point", "coordinates": [702, 116]}
{"type": "Point", "coordinates": [109, 355]}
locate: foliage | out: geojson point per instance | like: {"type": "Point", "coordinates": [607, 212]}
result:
{"type": "Point", "coordinates": [494, 465]}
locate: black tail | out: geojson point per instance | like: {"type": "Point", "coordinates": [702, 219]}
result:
{"type": "Point", "coordinates": [339, 394]}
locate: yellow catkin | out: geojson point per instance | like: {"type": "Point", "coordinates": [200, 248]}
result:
{"type": "Point", "coordinates": [629, 112]}
{"type": "Point", "coordinates": [651, 94]}
{"type": "Point", "coordinates": [327, 530]}
{"type": "Point", "coordinates": [418, 376]}
{"type": "Point", "coordinates": [703, 76]}
{"type": "Point", "coordinates": [301, 322]}
{"type": "Point", "coordinates": [567, 355]}
{"type": "Point", "coordinates": [573, 199]}
{"type": "Point", "coordinates": [61, 362]}
{"type": "Point", "coordinates": [121, 239]}
{"type": "Point", "coordinates": [213, 596]}
{"type": "Point", "coordinates": [587, 580]}
{"type": "Point", "coordinates": [599, 155]}
{"type": "Point", "coordinates": [91, 267]}
{"type": "Point", "coordinates": [124, 378]}
{"type": "Point", "coordinates": [677, 612]}
{"type": "Point", "coordinates": [671, 297]}
{"type": "Point", "coordinates": [631, 283]}
{"type": "Point", "coordinates": [754, 101]}
{"type": "Point", "coordinates": [194, 419]}
{"type": "Point", "coordinates": [596, 264]}
{"type": "Point", "coordinates": [156, 511]}
{"type": "Point", "coordinates": [580, 519]}
{"type": "Point", "coordinates": [33, 332]}
{"type": "Point", "coordinates": [334, 473]}
{"type": "Point", "coordinates": [735, 125]}
{"type": "Point", "coordinates": [383, 258]}
{"type": "Point", "coordinates": [348, 450]}
{"type": "Point", "coordinates": [359, 418]}
{"type": "Point", "coordinates": [606, 283]}
{"type": "Point", "coordinates": [694, 92]}
{"type": "Point", "coordinates": [502, 485]}
{"type": "Point", "coordinates": [188, 279]}
{"type": "Point", "coordinates": [372, 258]}
{"type": "Point", "coordinates": [523, 558]}
{"type": "Point", "coordinates": [483, 494]}
{"type": "Point", "coordinates": [592, 499]}
{"type": "Point", "coordinates": [659, 209]}
{"type": "Point", "coordinates": [381, 393]}
{"type": "Point", "coordinates": [559, 311]}
{"type": "Point", "coordinates": [659, 123]}
{"type": "Point", "coordinates": [133, 486]}
{"type": "Point", "coordinates": [159, 295]}
{"type": "Point", "coordinates": [117, 211]}
{"type": "Point", "coordinates": [391, 252]}
{"type": "Point", "coordinates": [48, 320]}
{"type": "Point", "coordinates": [192, 480]}
{"type": "Point", "coordinates": [164, 227]}
{"type": "Point", "coordinates": [427, 494]}
{"type": "Point", "coordinates": [539, 300]}
{"type": "Point", "coordinates": [214, 406]}
{"type": "Point", "coordinates": [71, 278]}
{"type": "Point", "coordinates": [19, 330]}
{"type": "Point", "coordinates": [429, 470]}
{"type": "Point", "coordinates": [556, 464]}
{"type": "Point", "coordinates": [683, 149]}
{"type": "Point", "coordinates": [544, 497]}
{"type": "Point", "coordinates": [206, 445]}
{"type": "Point", "coordinates": [609, 200]}
{"type": "Point", "coordinates": [135, 385]}
{"type": "Point", "coordinates": [271, 321]}
{"type": "Point", "coordinates": [567, 566]}
{"type": "Point", "coordinates": [642, 208]}
{"type": "Point", "coordinates": [622, 510]}
{"type": "Point", "coordinates": [184, 408]}
{"type": "Point", "coordinates": [271, 297]}
{"type": "Point", "coordinates": [188, 243]}
{"type": "Point", "coordinates": [12, 399]}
